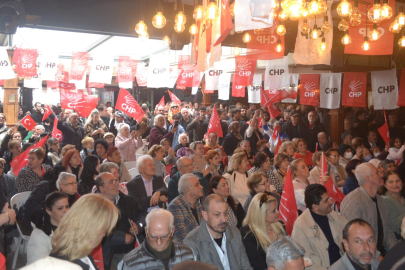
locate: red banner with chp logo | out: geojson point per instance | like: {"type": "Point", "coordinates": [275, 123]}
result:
{"type": "Point", "coordinates": [264, 44]}
{"type": "Point", "coordinates": [126, 69]}
{"type": "Point", "coordinates": [127, 104]}
{"type": "Point", "coordinates": [26, 62]}
{"type": "Point", "coordinates": [79, 65]}
{"type": "Point", "coordinates": [309, 89]}
{"type": "Point", "coordinates": [354, 89]}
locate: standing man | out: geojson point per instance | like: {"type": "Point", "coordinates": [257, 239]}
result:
{"type": "Point", "coordinates": [102, 109]}
{"type": "Point", "coordinates": [38, 113]}
{"type": "Point", "coordinates": [314, 127]}
{"type": "Point", "coordinates": [185, 120]}
{"type": "Point", "coordinates": [72, 132]}
{"type": "Point", "coordinates": [199, 125]}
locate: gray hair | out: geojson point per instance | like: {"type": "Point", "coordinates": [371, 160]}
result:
{"type": "Point", "coordinates": [179, 162]}
{"type": "Point", "coordinates": [156, 119]}
{"type": "Point", "coordinates": [159, 213]}
{"type": "Point", "coordinates": [122, 126]}
{"type": "Point", "coordinates": [142, 160]}
{"type": "Point", "coordinates": [40, 126]}
{"type": "Point", "coordinates": [107, 166]}
{"type": "Point", "coordinates": [362, 171]}
{"type": "Point", "coordinates": [63, 176]}
{"type": "Point", "coordinates": [184, 182]}
{"type": "Point", "coordinates": [181, 136]}
{"type": "Point", "coordinates": [283, 250]}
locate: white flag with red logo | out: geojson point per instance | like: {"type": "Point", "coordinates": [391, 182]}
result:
{"type": "Point", "coordinates": [174, 74]}
{"type": "Point", "coordinates": [127, 104]}
{"type": "Point", "coordinates": [78, 66]}
{"type": "Point", "coordinates": [215, 124]}
{"type": "Point", "coordinates": [49, 66]}
{"type": "Point", "coordinates": [212, 78]}
{"type": "Point", "coordinates": [102, 68]}
{"type": "Point", "coordinates": [56, 133]}
{"type": "Point", "coordinates": [292, 89]}
{"type": "Point", "coordinates": [174, 98]}
{"type": "Point", "coordinates": [277, 75]}
{"type": "Point", "coordinates": [34, 82]}
{"type": "Point", "coordinates": [126, 69]}
{"type": "Point", "coordinates": [385, 89]}
{"type": "Point", "coordinates": [142, 74]}
{"type": "Point", "coordinates": [47, 113]}
{"type": "Point", "coordinates": [330, 88]}
{"type": "Point", "coordinates": [288, 205]}
{"type": "Point", "coordinates": [309, 89]}
{"type": "Point", "coordinates": [247, 20]}
{"type": "Point", "coordinates": [159, 70]}
{"type": "Point", "coordinates": [224, 84]}
{"type": "Point", "coordinates": [28, 122]}
{"type": "Point", "coordinates": [254, 90]}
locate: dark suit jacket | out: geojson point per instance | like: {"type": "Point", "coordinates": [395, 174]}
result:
{"type": "Point", "coordinates": [136, 189]}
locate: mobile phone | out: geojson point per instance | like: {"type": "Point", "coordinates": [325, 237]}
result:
{"type": "Point", "coordinates": [198, 114]}
{"type": "Point", "coordinates": [176, 124]}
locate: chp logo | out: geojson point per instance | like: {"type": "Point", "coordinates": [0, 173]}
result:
{"type": "Point", "coordinates": [310, 89]}
{"type": "Point", "coordinates": [79, 63]}
{"type": "Point", "coordinates": [386, 89]}
{"type": "Point", "coordinates": [75, 104]}
{"type": "Point", "coordinates": [215, 72]}
{"type": "Point", "coordinates": [244, 68]}
{"type": "Point", "coordinates": [187, 70]}
{"type": "Point", "coordinates": [129, 104]}
{"type": "Point", "coordinates": [27, 61]}
{"type": "Point", "coordinates": [268, 36]}
{"type": "Point", "coordinates": [355, 88]}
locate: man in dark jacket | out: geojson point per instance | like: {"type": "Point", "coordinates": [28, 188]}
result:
{"type": "Point", "coordinates": [131, 222]}
{"type": "Point", "coordinates": [185, 120]}
{"type": "Point", "coordinates": [37, 113]}
{"type": "Point", "coordinates": [72, 132]}
{"type": "Point", "coordinates": [102, 109]}
{"type": "Point", "coordinates": [236, 116]}
{"type": "Point", "coordinates": [294, 128]}
{"type": "Point", "coordinates": [313, 128]}
{"type": "Point", "coordinates": [199, 125]}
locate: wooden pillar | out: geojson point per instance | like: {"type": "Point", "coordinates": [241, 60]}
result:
{"type": "Point", "coordinates": [206, 97]}
{"type": "Point", "coordinates": [336, 124]}
{"type": "Point", "coordinates": [10, 98]}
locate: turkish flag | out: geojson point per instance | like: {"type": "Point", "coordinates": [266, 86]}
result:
{"type": "Point", "coordinates": [279, 96]}
{"type": "Point", "coordinates": [82, 104]}
{"type": "Point", "coordinates": [275, 133]}
{"type": "Point", "coordinates": [28, 122]}
{"type": "Point", "coordinates": [67, 86]}
{"type": "Point", "coordinates": [288, 205]}
{"type": "Point", "coordinates": [215, 124]}
{"type": "Point", "coordinates": [26, 62]}
{"type": "Point", "coordinates": [309, 89]}
{"type": "Point", "coordinates": [128, 105]}
{"type": "Point", "coordinates": [264, 44]}
{"type": "Point", "coordinates": [273, 110]}
{"type": "Point", "coordinates": [401, 90]}
{"type": "Point", "coordinates": [78, 66]}
{"type": "Point", "coordinates": [22, 159]}
{"type": "Point", "coordinates": [56, 133]}
{"type": "Point", "coordinates": [226, 22]}
{"type": "Point", "coordinates": [384, 131]}
{"type": "Point", "coordinates": [354, 89]}
{"type": "Point", "coordinates": [48, 112]}
{"type": "Point", "coordinates": [174, 98]}
{"type": "Point", "coordinates": [160, 104]}
{"type": "Point", "coordinates": [245, 67]}
{"type": "Point", "coordinates": [126, 69]}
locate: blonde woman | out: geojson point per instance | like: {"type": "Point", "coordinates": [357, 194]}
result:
{"type": "Point", "coordinates": [287, 148]}
{"type": "Point", "coordinates": [300, 174]}
{"type": "Point", "coordinates": [94, 126]}
{"type": "Point", "coordinates": [82, 228]}
{"type": "Point", "coordinates": [237, 176]}
{"type": "Point", "coordinates": [88, 148]}
{"type": "Point", "coordinates": [261, 227]}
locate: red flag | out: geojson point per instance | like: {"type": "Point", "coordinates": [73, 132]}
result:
{"type": "Point", "coordinates": [1, 82]}
{"type": "Point", "coordinates": [274, 112]}
{"type": "Point", "coordinates": [28, 122]}
{"type": "Point", "coordinates": [48, 112]}
{"type": "Point", "coordinates": [208, 33]}
{"type": "Point", "coordinates": [245, 67]}
{"type": "Point", "coordinates": [82, 104]}
{"type": "Point", "coordinates": [354, 89]}
{"type": "Point", "coordinates": [215, 124]}
{"type": "Point", "coordinates": [238, 89]}
{"type": "Point", "coordinates": [275, 133]}
{"type": "Point", "coordinates": [26, 62]}
{"type": "Point", "coordinates": [316, 147]}
{"type": "Point", "coordinates": [309, 89]}
{"type": "Point", "coordinates": [324, 167]}
{"type": "Point", "coordinates": [69, 86]}
{"type": "Point", "coordinates": [279, 142]}
{"type": "Point", "coordinates": [401, 90]}
{"type": "Point", "coordinates": [22, 159]}
{"type": "Point", "coordinates": [264, 44]}
{"type": "Point", "coordinates": [97, 255]}
{"type": "Point", "coordinates": [187, 72]}
{"type": "Point", "coordinates": [56, 133]}
{"type": "Point", "coordinates": [79, 65]}
{"type": "Point", "coordinates": [161, 104]}
{"type": "Point", "coordinates": [264, 97]}
{"type": "Point", "coordinates": [335, 193]}
{"type": "Point", "coordinates": [126, 69]}
{"type": "Point", "coordinates": [288, 205]}
{"type": "Point", "coordinates": [128, 105]}
{"type": "Point", "coordinates": [384, 131]}
{"type": "Point", "coordinates": [226, 22]}
{"type": "Point", "coordinates": [174, 98]}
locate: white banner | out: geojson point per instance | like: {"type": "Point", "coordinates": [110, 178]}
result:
{"type": "Point", "coordinates": [276, 76]}
{"type": "Point", "coordinates": [196, 82]}
{"type": "Point", "coordinates": [79, 84]}
{"type": "Point", "coordinates": [307, 50]}
{"type": "Point", "coordinates": [33, 82]}
{"type": "Point", "coordinates": [293, 80]}
{"type": "Point", "coordinates": [243, 15]}
{"type": "Point", "coordinates": [224, 84]}
{"type": "Point", "coordinates": [126, 85]}
{"type": "Point", "coordinates": [6, 71]}
{"type": "Point", "coordinates": [212, 78]}
{"type": "Point", "coordinates": [159, 70]}
{"type": "Point", "coordinates": [384, 85]}
{"type": "Point", "coordinates": [141, 74]}
{"type": "Point", "coordinates": [49, 66]}
{"type": "Point", "coordinates": [101, 69]}
{"type": "Point", "coordinates": [330, 90]}
{"type": "Point", "coordinates": [174, 74]}
{"type": "Point", "coordinates": [254, 90]}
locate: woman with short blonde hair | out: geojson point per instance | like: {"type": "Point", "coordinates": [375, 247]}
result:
{"type": "Point", "coordinates": [82, 228]}
{"type": "Point", "coordinates": [287, 148]}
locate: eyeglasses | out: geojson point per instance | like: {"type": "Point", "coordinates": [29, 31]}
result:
{"type": "Point", "coordinates": [175, 107]}
{"type": "Point", "coordinates": [163, 238]}
{"type": "Point", "coordinates": [71, 184]}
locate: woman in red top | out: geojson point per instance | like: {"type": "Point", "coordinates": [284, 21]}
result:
{"type": "Point", "coordinates": [303, 153]}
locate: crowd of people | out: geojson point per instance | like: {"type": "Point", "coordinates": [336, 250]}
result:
{"type": "Point", "coordinates": [162, 193]}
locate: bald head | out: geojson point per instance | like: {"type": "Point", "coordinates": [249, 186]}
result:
{"type": "Point", "coordinates": [212, 199]}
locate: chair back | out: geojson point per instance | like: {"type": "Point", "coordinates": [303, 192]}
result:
{"type": "Point", "coordinates": [130, 164]}
{"type": "Point", "coordinates": [19, 199]}
{"type": "Point", "coordinates": [133, 172]}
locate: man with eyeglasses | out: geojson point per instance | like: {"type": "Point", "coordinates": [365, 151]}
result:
{"type": "Point", "coordinates": [130, 225]}
{"type": "Point", "coordinates": [336, 171]}
{"type": "Point", "coordinates": [215, 242]}
{"type": "Point", "coordinates": [158, 251]}
{"type": "Point", "coordinates": [174, 108]}
{"type": "Point", "coordinates": [319, 229]}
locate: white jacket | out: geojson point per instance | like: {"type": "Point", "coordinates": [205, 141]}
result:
{"type": "Point", "coordinates": [395, 154]}
{"type": "Point", "coordinates": [39, 246]}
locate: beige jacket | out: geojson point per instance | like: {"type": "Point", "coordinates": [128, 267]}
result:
{"type": "Point", "coordinates": [310, 236]}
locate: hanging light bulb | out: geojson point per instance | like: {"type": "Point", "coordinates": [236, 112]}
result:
{"type": "Point", "coordinates": [285, 4]}
{"type": "Point", "coordinates": [315, 32]}
{"type": "Point", "coordinates": [400, 18]}
{"type": "Point", "coordinates": [246, 37]}
{"type": "Point", "coordinates": [386, 10]}
{"type": "Point", "coordinates": [294, 11]}
{"type": "Point", "coordinates": [305, 28]}
{"type": "Point", "coordinates": [232, 11]}
{"type": "Point", "coordinates": [344, 8]}
{"type": "Point", "coordinates": [140, 27]}
{"type": "Point", "coordinates": [375, 13]}
{"type": "Point", "coordinates": [283, 16]}
{"type": "Point", "coordinates": [179, 27]}
{"type": "Point", "coordinates": [193, 29]}
{"type": "Point", "coordinates": [159, 21]}
{"type": "Point", "coordinates": [395, 27]}
{"type": "Point", "coordinates": [276, 5]}
{"type": "Point", "coordinates": [180, 18]}
{"type": "Point", "coordinates": [236, 51]}
{"type": "Point", "coordinates": [323, 7]}
{"type": "Point", "coordinates": [343, 25]}
{"type": "Point", "coordinates": [326, 27]}
{"type": "Point", "coordinates": [346, 39]}
{"type": "Point", "coordinates": [305, 14]}
{"type": "Point", "coordinates": [258, 31]}
{"type": "Point", "coordinates": [322, 46]}
{"type": "Point", "coordinates": [198, 13]}
{"type": "Point", "coordinates": [401, 41]}
{"type": "Point", "coordinates": [166, 41]}
{"type": "Point", "coordinates": [314, 7]}
{"type": "Point", "coordinates": [281, 30]}
{"type": "Point", "coordinates": [355, 16]}
{"type": "Point", "coordinates": [374, 35]}
{"type": "Point", "coordinates": [212, 11]}
{"type": "Point", "coordinates": [279, 47]}
{"type": "Point", "coordinates": [144, 35]}
{"type": "Point", "coordinates": [366, 45]}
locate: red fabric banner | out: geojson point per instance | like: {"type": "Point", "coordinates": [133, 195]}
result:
{"type": "Point", "coordinates": [26, 62]}
{"type": "Point", "coordinates": [384, 131]}
{"type": "Point", "coordinates": [160, 104]}
{"type": "Point", "coordinates": [22, 159]}
{"type": "Point", "coordinates": [238, 90]}
{"type": "Point", "coordinates": [126, 69]}
{"type": "Point", "coordinates": [273, 110]}
{"type": "Point", "coordinates": [48, 112]}
{"type": "Point", "coordinates": [288, 204]}
{"type": "Point", "coordinates": [1, 82]}
{"type": "Point", "coordinates": [283, 94]}
{"type": "Point", "coordinates": [67, 86]}
{"type": "Point", "coordinates": [128, 105]}
{"type": "Point", "coordinates": [264, 98]}
{"type": "Point", "coordinates": [97, 255]}
{"type": "Point", "coordinates": [56, 133]}
{"type": "Point", "coordinates": [187, 72]}
{"type": "Point", "coordinates": [215, 124]}
{"type": "Point", "coordinates": [264, 44]}
{"type": "Point", "coordinates": [82, 104]}
{"type": "Point", "coordinates": [28, 122]}
{"type": "Point", "coordinates": [309, 89]}
{"type": "Point", "coordinates": [383, 46]}
{"type": "Point", "coordinates": [174, 99]}
{"type": "Point", "coordinates": [245, 67]}
{"type": "Point", "coordinates": [226, 21]}
{"type": "Point", "coordinates": [78, 66]}
{"type": "Point", "coordinates": [354, 89]}
{"type": "Point", "coordinates": [401, 90]}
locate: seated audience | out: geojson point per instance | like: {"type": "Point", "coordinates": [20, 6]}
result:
{"type": "Point", "coordinates": [157, 133]}
{"type": "Point", "coordinates": [180, 130]}
{"type": "Point", "coordinates": [233, 138]}
{"type": "Point", "coordinates": [183, 142]}
{"type": "Point", "coordinates": [351, 181]}
{"type": "Point", "coordinates": [303, 153]}
{"type": "Point", "coordinates": [389, 166]}
{"type": "Point", "coordinates": [336, 171]}
{"type": "Point", "coordinates": [212, 143]}
{"type": "Point", "coordinates": [170, 155]}
{"type": "Point", "coordinates": [252, 133]}
{"type": "Point", "coordinates": [73, 132]}
{"type": "Point", "coordinates": [300, 174]}
{"type": "Point", "coordinates": [281, 163]}
{"type": "Point", "coordinates": [94, 126]}
{"type": "Point", "coordinates": [100, 149]}
{"type": "Point", "coordinates": [14, 149]}
{"type": "Point", "coordinates": [394, 260]}
{"type": "Point", "coordinates": [258, 183]}
{"type": "Point", "coordinates": [88, 148]}
{"type": "Point", "coordinates": [315, 173]}
{"type": "Point", "coordinates": [113, 155]}
{"type": "Point", "coordinates": [287, 148]}
{"type": "Point", "coordinates": [285, 254]}
{"type": "Point", "coordinates": [109, 137]}
{"type": "Point", "coordinates": [396, 150]}
{"type": "Point", "coordinates": [157, 153]}
{"type": "Point", "coordinates": [346, 154]}
{"type": "Point", "coordinates": [67, 184]}
{"type": "Point", "coordinates": [91, 167]}
{"type": "Point", "coordinates": [213, 166]}
{"type": "Point", "coordinates": [379, 166]}
{"type": "Point", "coordinates": [54, 153]}
{"type": "Point", "coordinates": [127, 142]}
{"type": "Point", "coordinates": [112, 168]}
{"type": "Point", "coordinates": [262, 164]}
{"type": "Point", "coordinates": [73, 162]}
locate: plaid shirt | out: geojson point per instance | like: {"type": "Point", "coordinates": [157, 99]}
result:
{"type": "Point", "coordinates": [269, 174]}
{"type": "Point", "coordinates": [184, 220]}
